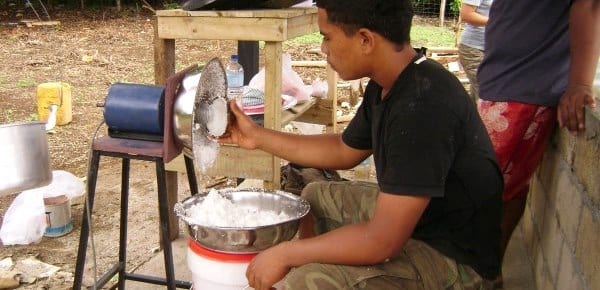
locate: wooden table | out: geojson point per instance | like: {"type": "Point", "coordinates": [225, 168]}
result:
{"type": "Point", "coordinates": [271, 26]}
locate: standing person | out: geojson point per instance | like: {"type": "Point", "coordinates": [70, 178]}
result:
{"type": "Point", "coordinates": [432, 220]}
{"type": "Point", "coordinates": [539, 65]}
{"type": "Point", "coordinates": [470, 49]}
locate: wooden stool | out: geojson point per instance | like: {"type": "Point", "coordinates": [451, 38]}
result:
{"type": "Point", "coordinates": [127, 150]}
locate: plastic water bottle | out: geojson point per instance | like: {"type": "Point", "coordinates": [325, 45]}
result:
{"type": "Point", "coordinates": [364, 170]}
{"type": "Point", "coordinates": [235, 80]}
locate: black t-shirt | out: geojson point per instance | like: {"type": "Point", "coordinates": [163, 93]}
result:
{"type": "Point", "coordinates": [428, 140]}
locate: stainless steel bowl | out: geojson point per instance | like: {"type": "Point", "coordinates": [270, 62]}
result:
{"type": "Point", "coordinates": [248, 239]}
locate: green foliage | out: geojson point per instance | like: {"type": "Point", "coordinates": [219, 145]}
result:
{"type": "Point", "coordinates": [455, 6]}
{"type": "Point", "coordinates": [171, 5]}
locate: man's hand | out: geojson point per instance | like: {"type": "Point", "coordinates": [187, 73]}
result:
{"type": "Point", "coordinates": [241, 130]}
{"type": "Point", "coordinates": [267, 268]}
{"type": "Point", "coordinates": [571, 113]}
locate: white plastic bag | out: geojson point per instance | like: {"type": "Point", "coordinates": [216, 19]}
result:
{"type": "Point", "coordinates": [291, 83]}
{"type": "Point", "coordinates": [63, 183]}
{"type": "Point", "coordinates": [319, 88]}
{"type": "Point", "coordinates": [25, 220]}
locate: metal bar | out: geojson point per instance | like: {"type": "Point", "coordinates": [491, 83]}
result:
{"type": "Point", "coordinates": [129, 156]}
{"type": "Point", "coordinates": [28, 3]}
{"type": "Point", "coordinates": [163, 211]}
{"type": "Point", "coordinates": [85, 224]}
{"type": "Point", "coordinates": [45, 10]}
{"type": "Point", "coordinates": [108, 275]}
{"type": "Point", "coordinates": [156, 280]}
{"type": "Point", "coordinates": [123, 228]}
{"type": "Point", "coordinates": [191, 174]}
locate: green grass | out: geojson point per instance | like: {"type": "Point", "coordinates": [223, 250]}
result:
{"type": "Point", "coordinates": [421, 35]}
{"type": "Point", "coordinates": [313, 38]}
{"type": "Point", "coordinates": [26, 83]}
{"type": "Point", "coordinates": [430, 36]}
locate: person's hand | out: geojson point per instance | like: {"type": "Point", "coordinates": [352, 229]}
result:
{"type": "Point", "coordinates": [241, 129]}
{"type": "Point", "coordinates": [267, 268]}
{"type": "Point", "coordinates": [571, 113]}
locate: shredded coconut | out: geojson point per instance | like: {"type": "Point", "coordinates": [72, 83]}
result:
{"type": "Point", "coordinates": [205, 152]}
{"type": "Point", "coordinates": [218, 211]}
{"type": "Point", "coordinates": [217, 117]}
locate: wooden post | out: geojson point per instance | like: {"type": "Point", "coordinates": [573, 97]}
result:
{"type": "Point", "coordinates": [332, 79]}
{"type": "Point", "coordinates": [442, 12]}
{"type": "Point", "coordinates": [273, 78]}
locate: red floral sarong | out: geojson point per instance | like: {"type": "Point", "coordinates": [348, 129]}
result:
{"type": "Point", "coordinates": [519, 134]}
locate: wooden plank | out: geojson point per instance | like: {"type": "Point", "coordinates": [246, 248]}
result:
{"type": "Point", "coordinates": [319, 113]}
{"type": "Point", "coordinates": [267, 29]}
{"type": "Point", "coordinates": [31, 23]}
{"type": "Point", "coordinates": [237, 162]}
{"type": "Point", "coordinates": [441, 50]}
{"type": "Point", "coordinates": [301, 25]}
{"type": "Point", "coordinates": [233, 161]}
{"type": "Point", "coordinates": [259, 13]}
{"type": "Point", "coordinates": [291, 114]}
{"type": "Point", "coordinates": [309, 63]}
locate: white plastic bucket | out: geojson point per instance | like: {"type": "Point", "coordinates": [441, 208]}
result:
{"type": "Point", "coordinates": [215, 270]}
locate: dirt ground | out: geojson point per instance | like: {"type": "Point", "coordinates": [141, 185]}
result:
{"type": "Point", "coordinates": [90, 51]}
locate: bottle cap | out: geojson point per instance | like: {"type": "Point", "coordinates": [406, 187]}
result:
{"type": "Point", "coordinates": [234, 57]}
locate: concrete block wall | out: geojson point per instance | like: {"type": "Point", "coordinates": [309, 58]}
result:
{"type": "Point", "coordinates": [561, 224]}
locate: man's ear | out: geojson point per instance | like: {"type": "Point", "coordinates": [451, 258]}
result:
{"type": "Point", "coordinates": [367, 39]}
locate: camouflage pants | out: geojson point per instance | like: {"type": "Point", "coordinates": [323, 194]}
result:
{"type": "Point", "coordinates": [419, 266]}
{"type": "Point", "coordinates": [470, 58]}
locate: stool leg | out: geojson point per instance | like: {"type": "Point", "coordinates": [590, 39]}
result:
{"type": "Point", "coordinates": [123, 222]}
{"type": "Point", "coordinates": [85, 227]}
{"type": "Point", "coordinates": [191, 174]}
{"type": "Point", "coordinates": [163, 211]}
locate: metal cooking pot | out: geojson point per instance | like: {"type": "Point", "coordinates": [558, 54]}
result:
{"type": "Point", "coordinates": [24, 161]}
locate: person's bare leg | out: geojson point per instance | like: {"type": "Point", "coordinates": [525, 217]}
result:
{"type": "Point", "coordinates": [307, 227]}
{"type": "Point", "coordinates": [512, 212]}
{"type": "Point", "coordinates": [511, 215]}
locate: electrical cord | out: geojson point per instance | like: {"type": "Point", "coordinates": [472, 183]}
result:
{"type": "Point", "coordinates": [89, 212]}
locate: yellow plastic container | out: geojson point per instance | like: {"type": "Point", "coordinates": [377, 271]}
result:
{"type": "Point", "coordinates": [55, 93]}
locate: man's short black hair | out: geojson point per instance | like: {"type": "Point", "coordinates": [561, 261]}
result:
{"type": "Point", "coordinates": [390, 18]}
